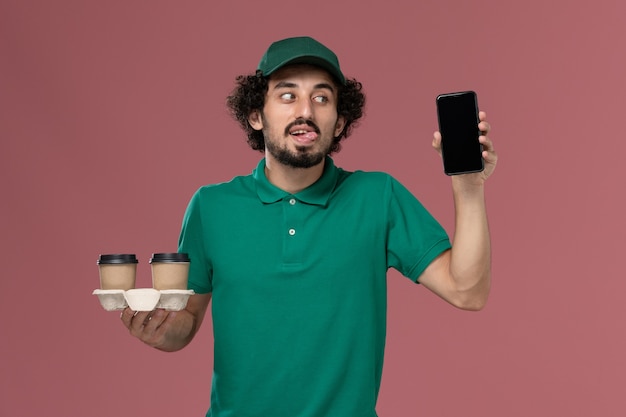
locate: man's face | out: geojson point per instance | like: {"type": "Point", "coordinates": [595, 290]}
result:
{"type": "Point", "coordinates": [299, 119]}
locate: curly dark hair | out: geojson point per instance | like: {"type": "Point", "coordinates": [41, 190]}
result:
{"type": "Point", "coordinates": [249, 95]}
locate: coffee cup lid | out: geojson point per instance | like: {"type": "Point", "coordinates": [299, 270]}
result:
{"type": "Point", "coordinates": [169, 257]}
{"type": "Point", "coordinates": [118, 258]}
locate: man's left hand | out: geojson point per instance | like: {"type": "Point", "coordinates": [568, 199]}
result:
{"type": "Point", "coordinates": [489, 155]}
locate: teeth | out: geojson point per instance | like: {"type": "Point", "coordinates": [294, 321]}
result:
{"type": "Point", "coordinates": [298, 132]}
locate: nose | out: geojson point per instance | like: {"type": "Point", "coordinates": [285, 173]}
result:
{"type": "Point", "coordinates": [304, 109]}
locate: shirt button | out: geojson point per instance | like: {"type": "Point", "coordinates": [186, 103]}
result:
{"type": "Point", "coordinates": [292, 232]}
{"type": "Point", "coordinates": [292, 201]}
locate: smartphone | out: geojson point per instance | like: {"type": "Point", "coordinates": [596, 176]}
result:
{"type": "Point", "coordinates": [458, 125]}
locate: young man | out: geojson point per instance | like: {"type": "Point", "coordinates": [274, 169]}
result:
{"type": "Point", "coordinates": [295, 255]}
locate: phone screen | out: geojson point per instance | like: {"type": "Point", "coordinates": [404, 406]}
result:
{"type": "Point", "coordinates": [458, 124]}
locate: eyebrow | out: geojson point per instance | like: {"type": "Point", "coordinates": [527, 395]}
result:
{"type": "Point", "coordinates": [287, 84]}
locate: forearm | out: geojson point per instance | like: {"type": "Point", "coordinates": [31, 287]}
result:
{"type": "Point", "coordinates": [470, 261]}
{"type": "Point", "coordinates": [462, 276]}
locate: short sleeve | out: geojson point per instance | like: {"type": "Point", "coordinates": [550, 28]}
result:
{"type": "Point", "coordinates": [414, 237]}
{"type": "Point", "coordinates": [191, 241]}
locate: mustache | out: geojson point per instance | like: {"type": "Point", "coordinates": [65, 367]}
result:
{"type": "Point", "coordinates": [302, 122]}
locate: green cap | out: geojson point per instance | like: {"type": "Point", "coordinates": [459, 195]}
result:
{"type": "Point", "coordinates": [301, 50]}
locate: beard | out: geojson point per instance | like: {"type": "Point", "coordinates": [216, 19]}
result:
{"type": "Point", "coordinates": [303, 156]}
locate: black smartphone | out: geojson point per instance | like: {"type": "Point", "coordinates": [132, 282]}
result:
{"type": "Point", "coordinates": [458, 124]}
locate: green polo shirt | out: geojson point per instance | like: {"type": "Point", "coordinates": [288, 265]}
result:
{"type": "Point", "coordinates": [298, 286]}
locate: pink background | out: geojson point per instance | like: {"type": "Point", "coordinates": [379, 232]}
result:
{"type": "Point", "coordinates": [112, 113]}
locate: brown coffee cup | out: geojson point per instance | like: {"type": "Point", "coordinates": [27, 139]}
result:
{"type": "Point", "coordinates": [117, 271]}
{"type": "Point", "coordinates": [170, 271]}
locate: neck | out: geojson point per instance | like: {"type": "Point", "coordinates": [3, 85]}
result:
{"type": "Point", "coordinates": [289, 179]}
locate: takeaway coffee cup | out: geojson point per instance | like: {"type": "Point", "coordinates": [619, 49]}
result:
{"type": "Point", "coordinates": [169, 271]}
{"type": "Point", "coordinates": [117, 271]}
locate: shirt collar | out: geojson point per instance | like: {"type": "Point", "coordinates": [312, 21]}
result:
{"type": "Point", "coordinates": [317, 193]}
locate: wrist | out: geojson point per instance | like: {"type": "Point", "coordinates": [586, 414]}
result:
{"type": "Point", "coordinates": [468, 184]}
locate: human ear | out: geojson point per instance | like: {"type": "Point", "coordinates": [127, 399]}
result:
{"type": "Point", "coordinates": [339, 125]}
{"type": "Point", "coordinates": [255, 120]}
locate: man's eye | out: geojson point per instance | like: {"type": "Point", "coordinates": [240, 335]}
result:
{"type": "Point", "coordinates": [287, 96]}
{"type": "Point", "coordinates": [321, 99]}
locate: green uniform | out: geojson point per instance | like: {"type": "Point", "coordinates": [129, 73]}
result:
{"type": "Point", "coordinates": [298, 285]}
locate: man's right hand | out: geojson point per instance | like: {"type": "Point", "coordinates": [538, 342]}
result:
{"type": "Point", "coordinates": [167, 330]}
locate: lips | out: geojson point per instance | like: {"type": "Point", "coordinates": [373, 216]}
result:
{"type": "Point", "coordinates": [303, 133]}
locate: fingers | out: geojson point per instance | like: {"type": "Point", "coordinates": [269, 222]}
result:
{"type": "Point", "coordinates": [489, 154]}
{"type": "Point", "coordinates": [485, 128]}
{"type": "Point", "coordinates": [486, 142]}
{"type": "Point", "coordinates": [127, 317]}
{"type": "Point", "coordinates": [488, 151]}
{"type": "Point", "coordinates": [137, 322]}
{"type": "Point", "coordinates": [437, 141]}
{"type": "Point", "coordinates": [144, 325]}
{"type": "Point", "coordinates": [154, 320]}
